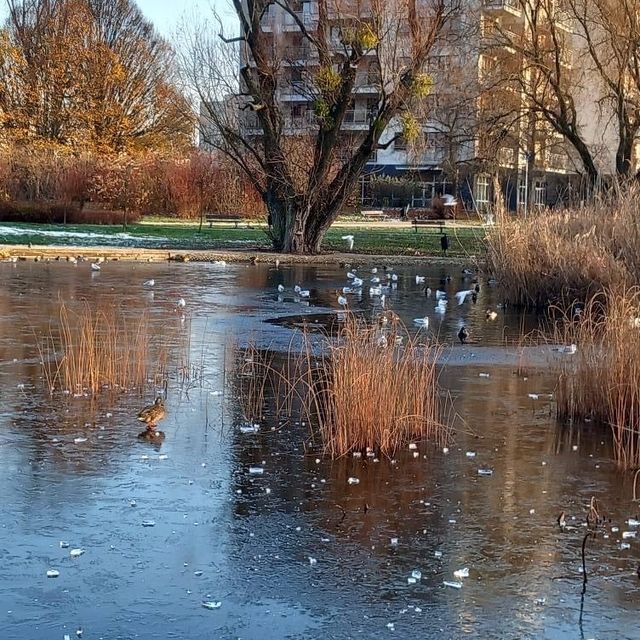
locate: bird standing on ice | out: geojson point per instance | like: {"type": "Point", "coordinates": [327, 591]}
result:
{"type": "Point", "coordinates": [349, 240]}
{"type": "Point", "coordinates": [152, 414]}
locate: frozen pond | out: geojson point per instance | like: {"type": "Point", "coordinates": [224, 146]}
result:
{"type": "Point", "coordinates": [223, 535]}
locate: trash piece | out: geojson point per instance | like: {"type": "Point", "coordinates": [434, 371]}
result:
{"type": "Point", "coordinates": [249, 428]}
{"type": "Point", "coordinates": [531, 511]}
{"type": "Point", "coordinates": [471, 454]}
{"type": "Point", "coordinates": [411, 580]}
{"type": "Point", "coordinates": [418, 610]}
{"type": "Point", "coordinates": [357, 454]}
{"type": "Point", "coordinates": [394, 542]}
{"type": "Point", "coordinates": [76, 553]}
{"type": "Point", "coordinates": [574, 447]}
{"type": "Point", "coordinates": [64, 544]}
{"type": "Point", "coordinates": [148, 523]}
{"type": "Point", "coordinates": [212, 605]}
{"type": "Point", "coordinates": [413, 446]}
{"type": "Point", "coordinates": [353, 481]}
{"type": "Point", "coordinates": [312, 561]}
{"type": "Point", "coordinates": [53, 573]}
{"type": "Point", "coordinates": [79, 440]}
{"type": "Point", "coordinates": [417, 574]}
{"type": "Point", "coordinates": [541, 601]}
{"type": "Point", "coordinates": [632, 522]}
{"type": "Point", "coordinates": [437, 554]}
{"type": "Point", "coordinates": [445, 449]}
{"type": "Point", "coordinates": [453, 585]}
{"type": "Point", "coordinates": [197, 574]}
{"type": "Point", "coordinates": [625, 545]}
{"type": "Point", "coordinates": [461, 573]}
{"type": "Point", "coordinates": [163, 456]}
{"type": "Point", "coordinates": [628, 534]}
{"type": "Point", "coordinates": [615, 529]}
{"type": "Point", "coordinates": [534, 396]}
{"type": "Point", "coordinates": [484, 375]}
{"type": "Point", "coordinates": [485, 472]}
{"type": "Point", "coordinates": [256, 471]}
{"type": "Point", "coordinates": [391, 626]}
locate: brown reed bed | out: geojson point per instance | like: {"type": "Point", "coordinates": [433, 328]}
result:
{"type": "Point", "coordinates": [557, 257]}
{"type": "Point", "coordinates": [369, 387]}
{"type": "Point", "coordinates": [601, 381]}
{"type": "Point", "coordinates": [92, 349]}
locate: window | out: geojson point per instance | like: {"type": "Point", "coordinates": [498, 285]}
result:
{"type": "Point", "coordinates": [539, 194]}
{"type": "Point", "coordinates": [482, 192]}
{"type": "Point", "coordinates": [522, 194]}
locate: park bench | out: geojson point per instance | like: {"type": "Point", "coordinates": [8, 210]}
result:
{"type": "Point", "coordinates": [373, 214]}
{"type": "Point", "coordinates": [421, 222]}
{"type": "Point", "coordinates": [214, 217]}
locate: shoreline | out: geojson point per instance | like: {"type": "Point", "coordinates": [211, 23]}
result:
{"type": "Point", "coordinates": [139, 254]}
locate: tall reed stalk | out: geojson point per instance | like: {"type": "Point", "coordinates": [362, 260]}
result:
{"type": "Point", "coordinates": [601, 381]}
{"type": "Point", "coordinates": [360, 389]}
{"type": "Point", "coordinates": [100, 348]}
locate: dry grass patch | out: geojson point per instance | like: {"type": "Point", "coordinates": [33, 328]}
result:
{"type": "Point", "coordinates": [370, 386]}
{"type": "Point", "coordinates": [601, 381]}
{"type": "Point", "coordinates": [91, 349]}
{"type": "Point", "coordinates": [558, 257]}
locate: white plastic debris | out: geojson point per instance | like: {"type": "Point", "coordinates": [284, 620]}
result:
{"type": "Point", "coordinates": [76, 553]}
{"type": "Point", "coordinates": [471, 454]}
{"type": "Point", "coordinates": [411, 580]}
{"type": "Point", "coordinates": [148, 523]}
{"type": "Point", "coordinates": [163, 456]}
{"type": "Point", "coordinates": [417, 574]}
{"type": "Point", "coordinates": [79, 440]}
{"type": "Point", "coordinates": [534, 396]}
{"type": "Point", "coordinates": [249, 428]}
{"type": "Point", "coordinates": [453, 585]}
{"type": "Point", "coordinates": [413, 446]}
{"type": "Point", "coordinates": [484, 375]}
{"type": "Point", "coordinates": [625, 545]}
{"type": "Point", "coordinates": [211, 605]}
{"type": "Point", "coordinates": [256, 471]}
{"type": "Point", "coordinates": [64, 544]}
{"type": "Point", "coordinates": [437, 554]}
{"type": "Point", "coordinates": [574, 447]}
{"type": "Point", "coordinates": [461, 573]}
{"type": "Point", "coordinates": [53, 573]}
{"type": "Point", "coordinates": [394, 542]}
{"type": "Point", "coordinates": [391, 626]}
{"type": "Point", "coordinates": [445, 450]}
{"type": "Point", "coordinates": [352, 480]}
{"type": "Point", "coordinates": [485, 472]}
{"type": "Point", "coordinates": [628, 534]}
{"type": "Point", "coordinates": [312, 561]}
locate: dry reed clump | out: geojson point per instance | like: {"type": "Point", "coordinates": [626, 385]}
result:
{"type": "Point", "coordinates": [360, 390]}
{"type": "Point", "coordinates": [100, 348]}
{"type": "Point", "coordinates": [554, 257]}
{"type": "Point", "coordinates": [601, 381]}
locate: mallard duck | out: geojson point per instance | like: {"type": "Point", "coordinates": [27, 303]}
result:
{"type": "Point", "coordinates": [463, 335]}
{"type": "Point", "coordinates": [153, 413]}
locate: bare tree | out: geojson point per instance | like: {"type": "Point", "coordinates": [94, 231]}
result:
{"type": "Point", "coordinates": [305, 162]}
{"type": "Point", "coordinates": [544, 77]}
{"type": "Point", "coordinates": [610, 33]}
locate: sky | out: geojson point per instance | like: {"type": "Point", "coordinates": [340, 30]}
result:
{"type": "Point", "coordinates": [167, 15]}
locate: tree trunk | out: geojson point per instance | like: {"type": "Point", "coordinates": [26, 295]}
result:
{"type": "Point", "coordinates": [624, 154]}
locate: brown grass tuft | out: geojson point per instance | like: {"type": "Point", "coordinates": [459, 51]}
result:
{"type": "Point", "coordinates": [557, 257]}
{"type": "Point", "coordinates": [360, 389]}
{"type": "Point", "coordinates": [100, 348]}
{"type": "Point", "coordinates": [601, 381]}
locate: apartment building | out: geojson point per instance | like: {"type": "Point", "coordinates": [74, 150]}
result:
{"type": "Point", "coordinates": [477, 124]}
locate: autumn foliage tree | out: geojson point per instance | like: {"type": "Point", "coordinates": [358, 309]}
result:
{"type": "Point", "coordinates": [306, 165]}
{"type": "Point", "coordinates": [89, 74]}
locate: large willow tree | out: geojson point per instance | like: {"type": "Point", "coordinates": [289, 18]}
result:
{"type": "Point", "coordinates": [306, 163]}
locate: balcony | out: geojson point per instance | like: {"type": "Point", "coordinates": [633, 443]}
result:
{"type": "Point", "coordinates": [290, 22]}
{"type": "Point", "coordinates": [555, 161]}
{"type": "Point", "coordinates": [498, 39]}
{"type": "Point", "coordinates": [299, 55]}
{"type": "Point", "coordinates": [295, 91]}
{"type": "Point", "coordinates": [301, 123]}
{"type": "Point", "coordinates": [508, 8]}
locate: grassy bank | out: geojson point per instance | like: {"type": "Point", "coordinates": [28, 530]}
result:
{"type": "Point", "coordinates": [384, 239]}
